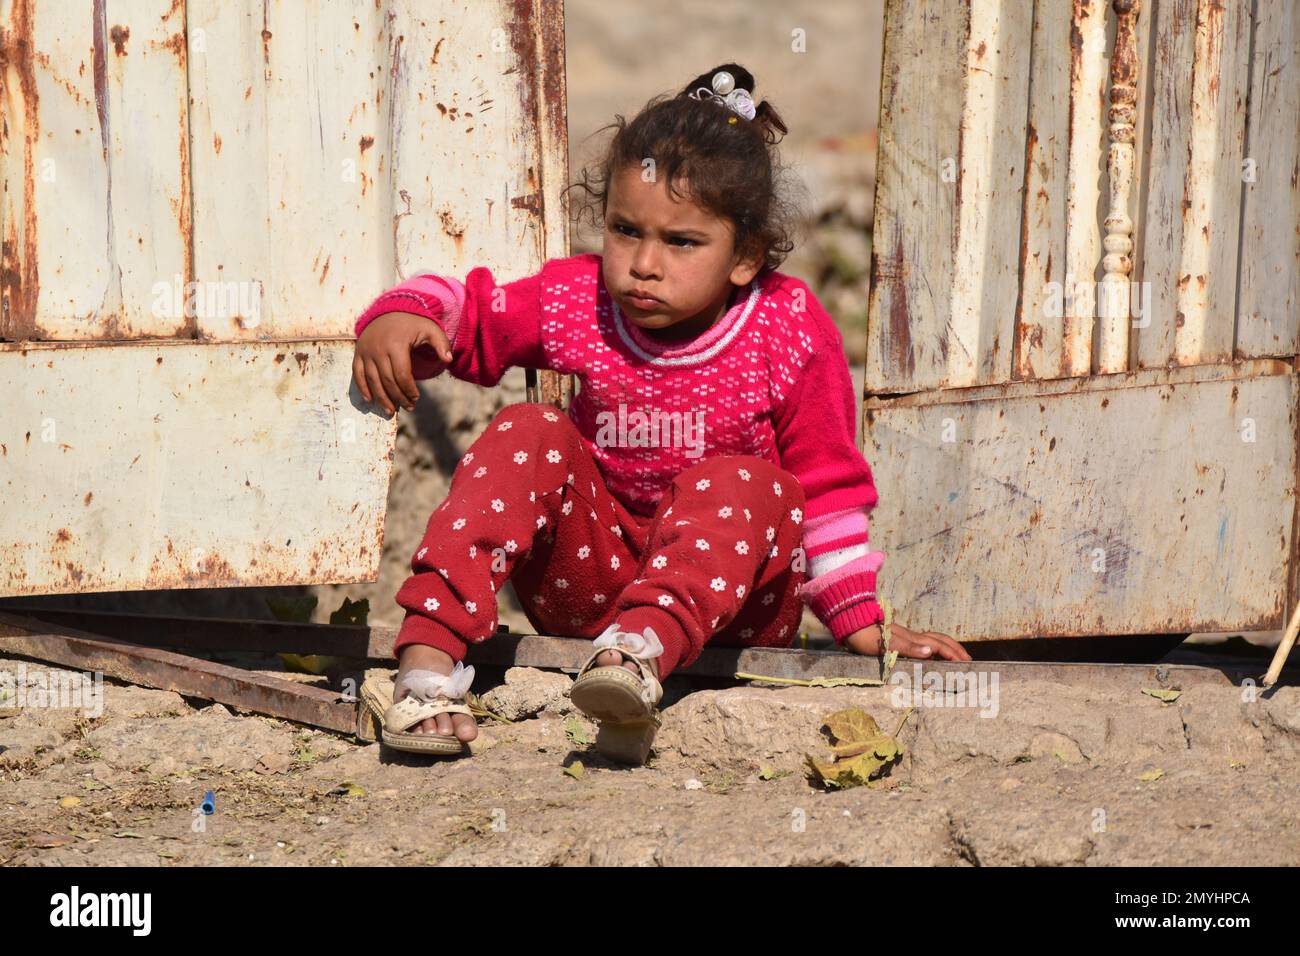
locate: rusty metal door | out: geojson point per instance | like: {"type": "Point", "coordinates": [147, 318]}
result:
{"type": "Point", "coordinates": [199, 198]}
{"type": "Point", "coordinates": [1082, 335]}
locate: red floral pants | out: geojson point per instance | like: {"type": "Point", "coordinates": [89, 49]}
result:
{"type": "Point", "coordinates": [720, 559]}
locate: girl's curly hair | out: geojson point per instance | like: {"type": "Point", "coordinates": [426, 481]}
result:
{"type": "Point", "coordinates": [731, 168]}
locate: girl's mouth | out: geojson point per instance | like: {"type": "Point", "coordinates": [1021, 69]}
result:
{"type": "Point", "coordinates": [644, 302]}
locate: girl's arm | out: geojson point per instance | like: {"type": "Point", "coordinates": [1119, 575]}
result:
{"type": "Point", "coordinates": [815, 429]}
{"type": "Point", "coordinates": [491, 327]}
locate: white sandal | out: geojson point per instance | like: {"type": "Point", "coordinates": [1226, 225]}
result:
{"type": "Point", "coordinates": [624, 704]}
{"type": "Point", "coordinates": [430, 694]}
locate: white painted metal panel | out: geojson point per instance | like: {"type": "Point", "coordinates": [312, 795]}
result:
{"type": "Point", "coordinates": [96, 167]}
{"type": "Point", "coordinates": [183, 465]}
{"type": "Point", "coordinates": [1269, 307]}
{"type": "Point", "coordinates": [336, 148]}
{"type": "Point", "coordinates": [1151, 502]}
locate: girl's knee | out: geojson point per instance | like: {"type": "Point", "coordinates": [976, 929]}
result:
{"type": "Point", "coordinates": [531, 420]}
{"type": "Point", "coordinates": [757, 479]}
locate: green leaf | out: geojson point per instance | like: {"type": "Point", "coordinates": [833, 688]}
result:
{"type": "Point", "coordinates": [845, 682]}
{"type": "Point", "coordinates": [1168, 696]}
{"type": "Point", "coordinates": [771, 773]}
{"type": "Point", "coordinates": [577, 732]}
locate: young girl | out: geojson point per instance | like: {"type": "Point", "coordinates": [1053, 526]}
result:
{"type": "Point", "coordinates": [705, 482]}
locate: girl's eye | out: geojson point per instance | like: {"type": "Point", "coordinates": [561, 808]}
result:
{"type": "Point", "coordinates": [623, 230]}
{"type": "Point", "coordinates": [683, 239]}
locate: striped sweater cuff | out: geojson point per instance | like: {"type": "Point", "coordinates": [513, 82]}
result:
{"type": "Point", "coordinates": [845, 599]}
{"type": "Point", "coordinates": [436, 298]}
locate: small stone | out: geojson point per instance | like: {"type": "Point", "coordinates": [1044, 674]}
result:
{"type": "Point", "coordinates": [526, 692]}
{"type": "Point", "coordinates": [693, 784]}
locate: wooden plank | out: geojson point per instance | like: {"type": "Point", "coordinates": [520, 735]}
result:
{"type": "Point", "coordinates": [1269, 305]}
{"type": "Point", "coordinates": [1114, 307]}
{"type": "Point", "coordinates": [912, 268]}
{"type": "Point", "coordinates": [1139, 301]}
{"type": "Point", "coordinates": [1039, 322]}
{"type": "Point", "coordinates": [181, 465]}
{"type": "Point", "coordinates": [95, 168]}
{"type": "Point", "coordinates": [1086, 149]}
{"type": "Point", "coordinates": [1194, 199]}
{"type": "Point", "coordinates": [165, 670]}
{"type": "Point", "coordinates": [1173, 36]}
{"type": "Point", "coordinates": [991, 162]}
{"type": "Point", "coordinates": [949, 182]}
{"type": "Point", "coordinates": [569, 653]}
{"type": "Point", "coordinates": [1101, 510]}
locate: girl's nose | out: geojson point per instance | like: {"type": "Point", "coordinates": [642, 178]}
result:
{"type": "Point", "coordinates": [645, 261]}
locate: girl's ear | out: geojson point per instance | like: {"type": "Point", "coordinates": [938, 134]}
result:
{"type": "Point", "coordinates": [746, 267]}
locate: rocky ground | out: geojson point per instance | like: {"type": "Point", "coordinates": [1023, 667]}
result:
{"type": "Point", "coordinates": [1062, 775]}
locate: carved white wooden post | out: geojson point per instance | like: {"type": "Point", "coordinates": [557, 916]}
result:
{"type": "Point", "coordinates": [1113, 296]}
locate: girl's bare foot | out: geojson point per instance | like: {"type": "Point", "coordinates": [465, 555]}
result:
{"type": "Point", "coordinates": [425, 658]}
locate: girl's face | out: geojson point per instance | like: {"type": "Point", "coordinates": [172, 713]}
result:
{"type": "Point", "coordinates": [672, 250]}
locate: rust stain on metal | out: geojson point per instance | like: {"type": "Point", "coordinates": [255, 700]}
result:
{"type": "Point", "coordinates": [898, 348]}
{"type": "Point", "coordinates": [532, 202]}
{"type": "Point", "coordinates": [301, 357]}
{"type": "Point", "coordinates": [119, 34]}
{"type": "Point", "coordinates": [367, 142]}
{"type": "Point", "coordinates": [19, 273]}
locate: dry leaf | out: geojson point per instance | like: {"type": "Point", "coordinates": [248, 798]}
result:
{"type": "Point", "coordinates": [69, 802]}
{"type": "Point", "coordinates": [49, 841]}
{"type": "Point", "coordinates": [1168, 696]}
{"type": "Point", "coordinates": [1151, 775]}
{"type": "Point", "coordinates": [861, 750]}
{"type": "Point", "coordinates": [575, 770]}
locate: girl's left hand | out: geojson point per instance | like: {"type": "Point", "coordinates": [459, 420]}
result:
{"type": "Point", "coordinates": [924, 645]}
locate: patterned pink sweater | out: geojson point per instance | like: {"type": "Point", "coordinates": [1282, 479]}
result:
{"type": "Point", "coordinates": [769, 379]}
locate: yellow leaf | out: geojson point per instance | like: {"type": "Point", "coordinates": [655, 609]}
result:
{"type": "Point", "coordinates": [861, 751]}
{"type": "Point", "coordinates": [1168, 696]}
{"type": "Point", "coordinates": [1151, 775]}
{"type": "Point", "coordinates": [575, 770]}
{"type": "Point", "coordinates": [69, 802]}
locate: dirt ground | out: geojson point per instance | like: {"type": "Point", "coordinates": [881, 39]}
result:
{"type": "Point", "coordinates": [1061, 775]}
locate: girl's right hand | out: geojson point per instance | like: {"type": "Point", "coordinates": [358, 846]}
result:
{"type": "Point", "coordinates": [381, 364]}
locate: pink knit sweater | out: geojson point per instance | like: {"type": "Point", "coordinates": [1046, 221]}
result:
{"type": "Point", "coordinates": [769, 379]}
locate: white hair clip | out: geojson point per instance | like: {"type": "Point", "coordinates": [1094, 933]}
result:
{"type": "Point", "coordinates": [726, 93]}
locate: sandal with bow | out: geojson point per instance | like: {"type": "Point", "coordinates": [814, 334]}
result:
{"type": "Point", "coordinates": [623, 703]}
{"type": "Point", "coordinates": [430, 694]}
